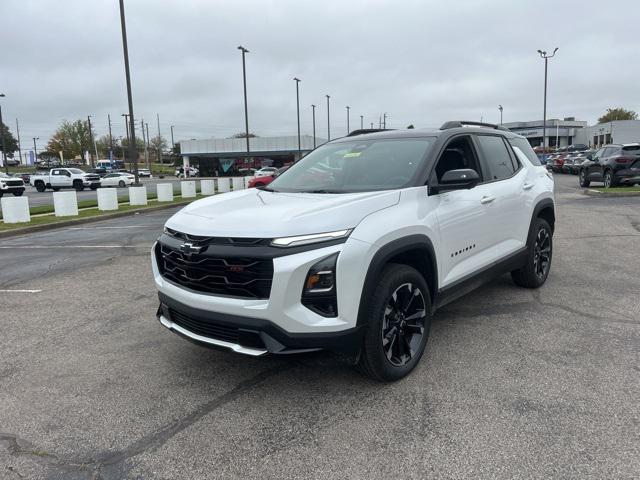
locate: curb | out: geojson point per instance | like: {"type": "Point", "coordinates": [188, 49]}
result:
{"type": "Point", "coordinates": [597, 193]}
{"type": "Point", "coordinates": [80, 221]}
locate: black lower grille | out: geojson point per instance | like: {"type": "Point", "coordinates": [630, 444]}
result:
{"type": "Point", "coordinates": [206, 329]}
{"type": "Point", "coordinates": [234, 276]}
{"type": "Point", "coordinates": [14, 183]}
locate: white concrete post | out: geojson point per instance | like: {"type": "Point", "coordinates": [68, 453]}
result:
{"type": "Point", "coordinates": [207, 187]}
{"type": "Point", "coordinates": [107, 199]}
{"type": "Point", "coordinates": [185, 165]}
{"type": "Point", "coordinates": [138, 195]}
{"type": "Point", "coordinates": [15, 210]}
{"type": "Point", "coordinates": [238, 183]}
{"type": "Point", "coordinates": [188, 189]}
{"type": "Point", "coordinates": [246, 180]}
{"type": "Point", "coordinates": [223, 184]}
{"type": "Point", "coordinates": [65, 204]}
{"type": "Point", "coordinates": [165, 192]}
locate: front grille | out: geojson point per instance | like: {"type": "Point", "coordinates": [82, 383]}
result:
{"type": "Point", "coordinates": [92, 178]}
{"type": "Point", "coordinates": [235, 276]}
{"type": "Point", "coordinates": [206, 329]}
{"type": "Point", "coordinates": [14, 183]}
{"type": "Point", "coordinates": [237, 241]}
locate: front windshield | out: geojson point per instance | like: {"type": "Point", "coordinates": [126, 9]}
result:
{"type": "Point", "coordinates": [357, 166]}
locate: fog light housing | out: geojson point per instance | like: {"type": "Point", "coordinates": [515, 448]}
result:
{"type": "Point", "coordinates": [319, 290]}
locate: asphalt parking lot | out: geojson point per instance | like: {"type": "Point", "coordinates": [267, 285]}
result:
{"type": "Point", "coordinates": [515, 383]}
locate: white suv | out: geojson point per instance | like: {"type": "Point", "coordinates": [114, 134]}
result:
{"type": "Point", "coordinates": [356, 246]}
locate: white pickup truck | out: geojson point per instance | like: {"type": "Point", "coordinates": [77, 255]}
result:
{"type": "Point", "coordinates": [65, 178]}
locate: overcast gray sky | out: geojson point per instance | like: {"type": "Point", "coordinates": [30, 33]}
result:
{"type": "Point", "coordinates": [423, 62]}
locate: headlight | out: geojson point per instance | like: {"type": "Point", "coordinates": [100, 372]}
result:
{"type": "Point", "coordinates": [307, 239]}
{"type": "Point", "coordinates": [319, 290]}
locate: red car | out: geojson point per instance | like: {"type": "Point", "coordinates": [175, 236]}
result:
{"type": "Point", "coordinates": [266, 180]}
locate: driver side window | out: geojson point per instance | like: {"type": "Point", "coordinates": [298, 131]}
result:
{"type": "Point", "coordinates": [459, 153]}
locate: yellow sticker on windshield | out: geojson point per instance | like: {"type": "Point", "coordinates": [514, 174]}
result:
{"type": "Point", "coordinates": [352, 154]}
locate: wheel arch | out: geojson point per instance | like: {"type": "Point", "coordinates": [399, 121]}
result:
{"type": "Point", "coordinates": [415, 251]}
{"type": "Point", "coordinates": [545, 209]}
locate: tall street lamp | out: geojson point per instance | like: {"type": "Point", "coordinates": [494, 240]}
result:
{"type": "Point", "coordinates": [244, 81]}
{"type": "Point", "coordinates": [35, 150]}
{"type": "Point", "coordinates": [328, 121]}
{"type": "Point", "coordinates": [4, 148]}
{"type": "Point", "coordinates": [313, 115]}
{"type": "Point", "coordinates": [361, 122]}
{"type": "Point", "coordinates": [546, 57]}
{"type": "Point", "coordinates": [348, 108]}
{"type": "Point", "coordinates": [297, 80]}
{"type": "Point", "coordinates": [500, 108]}
{"type": "Point", "coordinates": [133, 154]}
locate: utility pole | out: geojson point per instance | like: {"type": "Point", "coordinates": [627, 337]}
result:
{"type": "Point", "coordinates": [126, 126]}
{"type": "Point", "coordinates": [173, 143]}
{"type": "Point", "coordinates": [380, 122]}
{"type": "Point", "coordinates": [91, 142]}
{"type": "Point", "coordinates": [297, 80]}
{"type": "Point", "coordinates": [328, 122]}
{"type": "Point", "coordinates": [313, 115]}
{"type": "Point", "coordinates": [145, 142]}
{"type": "Point", "coordinates": [159, 139]}
{"type": "Point", "coordinates": [110, 139]}
{"type": "Point", "coordinates": [35, 150]}
{"type": "Point", "coordinates": [361, 122]}
{"type": "Point", "coordinates": [4, 148]}
{"type": "Point", "coordinates": [133, 154]}
{"type": "Point", "coordinates": [371, 125]}
{"type": "Point", "coordinates": [384, 120]}
{"type": "Point", "coordinates": [348, 108]}
{"type": "Point", "coordinates": [546, 57]}
{"type": "Point", "coordinates": [19, 148]}
{"type": "Point", "coordinates": [244, 82]}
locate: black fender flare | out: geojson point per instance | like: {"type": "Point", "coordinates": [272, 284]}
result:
{"type": "Point", "coordinates": [386, 253]}
{"type": "Point", "coordinates": [545, 203]}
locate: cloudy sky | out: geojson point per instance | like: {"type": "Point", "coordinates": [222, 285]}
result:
{"type": "Point", "coordinates": [422, 62]}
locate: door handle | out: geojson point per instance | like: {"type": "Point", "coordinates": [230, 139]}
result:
{"type": "Point", "coordinates": [486, 199]}
{"type": "Point", "coordinates": [527, 186]}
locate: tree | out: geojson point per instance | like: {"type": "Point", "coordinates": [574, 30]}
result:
{"type": "Point", "coordinates": [157, 146]}
{"type": "Point", "coordinates": [72, 138]}
{"type": "Point", "coordinates": [243, 135]}
{"type": "Point", "coordinates": [618, 113]}
{"type": "Point", "coordinates": [411, 127]}
{"type": "Point", "coordinates": [9, 141]}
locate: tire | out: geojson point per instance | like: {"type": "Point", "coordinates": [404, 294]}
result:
{"type": "Point", "coordinates": [583, 181]}
{"type": "Point", "coordinates": [18, 193]}
{"type": "Point", "coordinates": [539, 254]}
{"type": "Point", "coordinates": [94, 187]}
{"type": "Point", "coordinates": [402, 293]}
{"type": "Point", "coordinates": [55, 189]}
{"type": "Point", "coordinates": [121, 183]}
{"type": "Point", "coordinates": [78, 186]}
{"type": "Point", "coordinates": [610, 179]}
{"type": "Point", "coordinates": [40, 186]}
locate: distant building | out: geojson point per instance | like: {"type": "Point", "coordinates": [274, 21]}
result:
{"type": "Point", "coordinates": [228, 156]}
{"type": "Point", "coordinates": [562, 133]}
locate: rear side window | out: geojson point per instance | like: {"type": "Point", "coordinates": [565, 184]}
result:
{"type": "Point", "coordinates": [631, 150]}
{"type": "Point", "coordinates": [496, 156]}
{"type": "Point", "coordinates": [524, 147]}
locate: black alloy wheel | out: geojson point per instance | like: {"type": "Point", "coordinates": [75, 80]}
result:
{"type": "Point", "coordinates": [542, 252]}
{"type": "Point", "coordinates": [403, 324]}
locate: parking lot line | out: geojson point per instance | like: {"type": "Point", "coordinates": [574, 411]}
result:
{"type": "Point", "coordinates": [20, 291]}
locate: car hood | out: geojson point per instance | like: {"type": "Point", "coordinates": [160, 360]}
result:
{"type": "Point", "coordinates": [262, 214]}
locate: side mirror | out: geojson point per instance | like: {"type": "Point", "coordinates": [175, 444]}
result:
{"type": "Point", "coordinates": [462, 179]}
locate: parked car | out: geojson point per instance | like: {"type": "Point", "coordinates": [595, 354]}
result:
{"type": "Point", "coordinates": [558, 162]}
{"type": "Point", "coordinates": [58, 178]}
{"type": "Point", "coordinates": [192, 171]}
{"type": "Point", "coordinates": [98, 171]}
{"type": "Point", "coordinates": [266, 179]}
{"type": "Point", "coordinates": [578, 147]}
{"type": "Point", "coordinates": [13, 162]}
{"type": "Point", "coordinates": [617, 164]}
{"type": "Point", "coordinates": [144, 172]}
{"type": "Point", "coordinates": [569, 159]}
{"type": "Point", "coordinates": [117, 179]}
{"type": "Point", "coordinates": [577, 160]}
{"type": "Point", "coordinates": [24, 176]}
{"type": "Point", "coordinates": [11, 185]}
{"type": "Point", "coordinates": [358, 259]}
{"type": "Point", "coordinates": [265, 172]}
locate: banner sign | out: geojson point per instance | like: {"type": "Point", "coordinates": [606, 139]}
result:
{"type": "Point", "coordinates": [227, 163]}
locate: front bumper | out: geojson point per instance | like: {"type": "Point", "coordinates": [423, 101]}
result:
{"type": "Point", "coordinates": [11, 189]}
{"type": "Point", "coordinates": [246, 335]}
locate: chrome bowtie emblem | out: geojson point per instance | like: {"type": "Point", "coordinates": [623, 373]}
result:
{"type": "Point", "coordinates": [188, 249]}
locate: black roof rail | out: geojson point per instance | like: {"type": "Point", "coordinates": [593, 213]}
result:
{"type": "Point", "coordinates": [364, 131]}
{"type": "Point", "coordinates": [462, 123]}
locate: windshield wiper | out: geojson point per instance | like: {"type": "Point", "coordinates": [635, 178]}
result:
{"type": "Point", "coordinates": [321, 190]}
{"type": "Point", "coordinates": [266, 189]}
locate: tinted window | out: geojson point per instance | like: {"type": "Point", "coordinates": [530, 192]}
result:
{"type": "Point", "coordinates": [496, 157]}
{"type": "Point", "coordinates": [524, 146]}
{"type": "Point", "coordinates": [631, 150]}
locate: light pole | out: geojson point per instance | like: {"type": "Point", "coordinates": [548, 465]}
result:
{"type": "Point", "coordinates": [546, 57]}
{"type": "Point", "coordinates": [126, 126]}
{"type": "Point", "coordinates": [361, 122]}
{"type": "Point", "coordinates": [110, 139]}
{"type": "Point", "coordinates": [4, 148]}
{"type": "Point", "coordinates": [173, 143]}
{"type": "Point", "coordinates": [297, 80]}
{"type": "Point", "coordinates": [91, 142]}
{"type": "Point", "coordinates": [35, 150]}
{"type": "Point", "coordinates": [313, 115]}
{"type": "Point", "coordinates": [244, 82]}
{"type": "Point", "coordinates": [159, 139]}
{"type": "Point", "coordinates": [19, 148]}
{"type": "Point", "coordinates": [328, 121]}
{"type": "Point", "coordinates": [500, 108]}
{"type": "Point", "coordinates": [133, 154]}
{"type": "Point", "coordinates": [348, 108]}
